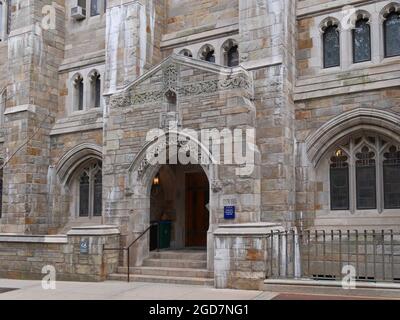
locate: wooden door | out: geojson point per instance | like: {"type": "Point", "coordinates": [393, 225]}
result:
{"type": "Point", "coordinates": [197, 216]}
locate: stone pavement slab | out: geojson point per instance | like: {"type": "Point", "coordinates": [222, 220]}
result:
{"type": "Point", "coordinates": [110, 290]}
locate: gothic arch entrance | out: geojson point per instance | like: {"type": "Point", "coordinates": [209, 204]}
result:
{"type": "Point", "coordinates": [190, 226]}
{"type": "Point", "coordinates": [180, 202]}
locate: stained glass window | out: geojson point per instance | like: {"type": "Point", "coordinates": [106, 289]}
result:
{"type": "Point", "coordinates": [392, 35]}
{"type": "Point", "coordinates": [331, 47]}
{"type": "Point", "coordinates": [84, 195]}
{"type": "Point", "coordinates": [339, 180]}
{"type": "Point", "coordinates": [210, 57]}
{"type": "Point", "coordinates": [366, 179]}
{"type": "Point", "coordinates": [391, 178]}
{"type": "Point", "coordinates": [362, 41]}
{"type": "Point", "coordinates": [97, 205]}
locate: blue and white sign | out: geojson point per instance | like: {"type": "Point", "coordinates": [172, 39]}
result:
{"type": "Point", "coordinates": [229, 212]}
{"type": "Point", "coordinates": [84, 246]}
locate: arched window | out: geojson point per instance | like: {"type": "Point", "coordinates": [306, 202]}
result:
{"type": "Point", "coordinates": [230, 51]}
{"type": "Point", "coordinates": [391, 178]}
{"type": "Point", "coordinates": [95, 89]}
{"type": "Point", "coordinates": [5, 13]}
{"type": "Point", "coordinates": [366, 179]}
{"type": "Point", "coordinates": [331, 44]}
{"type": "Point", "coordinates": [90, 191]}
{"type": "Point", "coordinates": [362, 41]}
{"type": "Point", "coordinates": [391, 28]}
{"type": "Point", "coordinates": [78, 92]}
{"type": "Point", "coordinates": [186, 53]}
{"type": "Point", "coordinates": [207, 53]}
{"type": "Point", "coordinates": [365, 174]}
{"type": "Point", "coordinates": [171, 100]}
{"type": "Point", "coordinates": [339, 181]}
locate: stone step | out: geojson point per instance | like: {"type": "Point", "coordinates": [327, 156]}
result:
{"type": "Point", "coordinates": [168, 272]}
{"type": "Point", "coordinates": [175, 263]}
{"type": "Point", "coordinates": [179, 255]}
{"type": "Point", "coordinates": [161, 279]}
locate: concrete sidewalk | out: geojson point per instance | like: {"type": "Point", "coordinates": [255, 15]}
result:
{"type": "Point", "coordinates": [110, 290]}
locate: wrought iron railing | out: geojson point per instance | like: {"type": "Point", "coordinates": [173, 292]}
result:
{"type": "Point", "coordinates": [330, 255]}
{"type": "Point", "coordinates": [128, 248]}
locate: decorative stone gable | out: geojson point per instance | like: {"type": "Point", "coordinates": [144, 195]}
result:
{"type": "Point", "coordinates": [220, 79]}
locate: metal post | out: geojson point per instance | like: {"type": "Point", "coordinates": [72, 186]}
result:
{"type": "Point", "coordinates": [366, 254]}
{"type": "Point", "coordinates": [294, 253]}
{"type": "Point", "coordinates": [286, 255]}
{"type": "Point", "coordinates": [340, 253]}
{"type": "Point", "coordinates": [324, 250]}
{"type": "Point", "coordinates": [272, 253]}
{"type": "Point", "coordinates": [392, 253]}
{"type": "Point", "coordinates": [129, 265]}
{"type": "Point", "coordinates": [374, 251]}
{"type": "Point", "coordinates": [308, 252]}
{"type": "Point", "coordinates": [279, 254]}
{"type": "Point", "coordinates": [357, 271]}
{"type": "Point", "coordinates": [348, 247]}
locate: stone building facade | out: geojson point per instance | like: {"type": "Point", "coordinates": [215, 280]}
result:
{"type": "Point", "coordinates": [84, 82]}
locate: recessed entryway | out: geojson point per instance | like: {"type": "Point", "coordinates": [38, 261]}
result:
{"type": "Point", "coordinates": [180, 207]}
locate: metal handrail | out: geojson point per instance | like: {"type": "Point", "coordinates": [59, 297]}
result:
{"type": "Point", "coordinates": [127, 249]}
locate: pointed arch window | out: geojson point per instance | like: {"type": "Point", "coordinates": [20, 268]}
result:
{"type": "Point", "coordinates": [391, 178]}
{"type": "Point", "coordinates": [230, 51]}
{"type": "Point", "coordinates": [78, 92]}
{"type": "Point", "coordinates": [339, 181]}
{"type": "Point", "coordinates": [186, 53]}
{"type": "Point", "coordinates": [362, 41]}
{"type": "Point", "coordinates": [207, 53]}
{"type": "Point", "coordinates": [95, 89]}
{"type": "Point", "coordinates": [366, 179]}
{"type": "Point", "coordinates": [171, 100]}
{"type": "Point", "coordinates": [331, 46]}
{"type": "Point", "coordinates": [90, 191]}
{"type": "Point", "coordinates": [391, 28]}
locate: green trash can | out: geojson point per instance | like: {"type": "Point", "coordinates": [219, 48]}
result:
{"type": "Point", "coordinates": [164, 234]}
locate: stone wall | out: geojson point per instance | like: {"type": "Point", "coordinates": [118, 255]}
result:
{"type": "Point", "coordinates": [242, 257]}
{"type": "Point", "coordinates": [23, 257]}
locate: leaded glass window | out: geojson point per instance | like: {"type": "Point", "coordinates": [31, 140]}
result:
{"type": "Point", "coordinates": [98, 185]}
{"type": "Point", "coordinates": [366, 179]}
{"type": "Point", "coordinates": [90, 191]}
{"type": "Point", "coordinates": [392, 35]}
{"type": "Point", "coordinates": [362, 41]}
{"type": "Point", "coordinates": [339, 181]}
{"type": "Point", "coordinates": [331, 43]}
{"type": "Point", "coordinates": [84, 185]}
{"type": "Point", "coordinates": [391, 178]}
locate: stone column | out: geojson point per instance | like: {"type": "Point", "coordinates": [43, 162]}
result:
{"type": "Point", "coordinates": [131, 40]}
{"type": "Point", "coordinates": [35, 50]}
{"type": "Point", "coordinates": [267, 43]}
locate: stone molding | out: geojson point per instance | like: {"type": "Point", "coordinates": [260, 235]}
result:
{"type": "Point", "coordinates": [13, 237]}
{"type": "Point", "coordinates": [228, 79]}
{"type": "Point", "coordinates": [379, 121]}
{"type": "Point", "coordinates": [75, 157]}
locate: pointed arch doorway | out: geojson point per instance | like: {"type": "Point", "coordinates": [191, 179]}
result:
{"type": "Point", "coordinates": [179, 202]}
